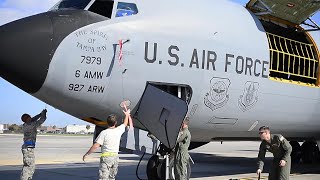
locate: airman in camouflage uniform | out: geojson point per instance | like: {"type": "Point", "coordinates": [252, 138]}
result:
{"type": "Point", "coordinates": [30, 134]}
{"type": "Point", "coordinates": [281, 150]}
{"type": "Point", "coordinates": [181, 158]}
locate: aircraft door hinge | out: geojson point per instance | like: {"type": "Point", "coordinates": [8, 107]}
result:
{"type": "Point", "coordinates": [264, 9]}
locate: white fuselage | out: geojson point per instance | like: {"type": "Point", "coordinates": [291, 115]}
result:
{"type": "Point", "coordinates": [218, 48]}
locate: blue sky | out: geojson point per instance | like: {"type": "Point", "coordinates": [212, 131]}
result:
{"type": "Point", "coordinates": [13, 101]}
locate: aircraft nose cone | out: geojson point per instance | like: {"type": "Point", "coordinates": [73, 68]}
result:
{"type": "Point", "coordinates": [25, 52]}
{"type": "Point", "coordinates": [28, 45]}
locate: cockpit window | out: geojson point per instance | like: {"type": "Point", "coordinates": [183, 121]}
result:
{"type": "Point", "coordinates": [126, 9]}
{"type": "Point", "coordinates": [71, 4]}
{"type": "Point", "coordinates": [102, 7]}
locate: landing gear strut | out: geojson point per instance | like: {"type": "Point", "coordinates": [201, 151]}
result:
{"type": "Point", "coordinates": [160, 167]}
{"type": "Point", "coordinates": [296, 152]}
{"type": "Point", "coordinates": [310, 152]}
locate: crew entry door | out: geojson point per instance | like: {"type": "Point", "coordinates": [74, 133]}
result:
{"type": "Point", "coordinates": [162, 114]}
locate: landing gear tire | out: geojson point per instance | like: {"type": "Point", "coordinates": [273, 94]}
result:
{"type": "Point", "coordinates": [156, 169]}
{"type": "Point", "coordinates": [296, 152]}
{"type": "Point", "coordinates": [310, 152]}
{"type": "Point", "coordinates": [171, 174]}
{"type": "Point", "coordinates": [152, 168]}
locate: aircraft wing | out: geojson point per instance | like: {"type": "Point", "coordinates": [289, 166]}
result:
{"type": "Point", "coordinates": [294, 11]}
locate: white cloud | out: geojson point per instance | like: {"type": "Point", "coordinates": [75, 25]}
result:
{"type": "Point", "coordinates": [11, 10]}
{"type": "Point", "coordinates": [8, 15]}
{"type": "Point", "coordinates": [29, 4]}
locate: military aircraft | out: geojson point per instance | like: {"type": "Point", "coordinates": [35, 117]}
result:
{"type": "Point", "coordinates": [230, 68]}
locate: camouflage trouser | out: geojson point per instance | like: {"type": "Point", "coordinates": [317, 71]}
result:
{"type": "Point", "coordinates": [180, 168]}
{"type": "Point", "coordinates": [280, 173]}
{"type": "Point", "coordinates": [108, 167]}
{"type": "Point", "coordinates": [28, 163]}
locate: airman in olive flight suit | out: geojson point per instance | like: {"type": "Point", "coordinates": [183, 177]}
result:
{"type": "Point", "coordinates": [281, 150]}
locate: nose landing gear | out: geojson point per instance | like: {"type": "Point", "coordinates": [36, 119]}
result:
{"type": "Point", "coordinates": [308, 152]}
{"type": "Point", "coordinates": [161, 166]}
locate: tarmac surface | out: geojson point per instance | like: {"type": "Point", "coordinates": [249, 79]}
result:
{"type": "Point", "coordinates": [60, 157]}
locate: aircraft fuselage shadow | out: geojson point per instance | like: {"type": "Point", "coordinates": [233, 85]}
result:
{"type": "Point", "coordinates": [206, 165]}
{"type": "Point", "coordinates": [210, 165]}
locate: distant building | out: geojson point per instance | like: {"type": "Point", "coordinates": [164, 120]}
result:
{"type": "Point", "coordinates": [79, 129]}
{"type": "Point", "coordinates": [4, 128]}
{"type": "Point", "coordinates": [1, 128]}
{"type": "Point", "coordinates": [50, 129]}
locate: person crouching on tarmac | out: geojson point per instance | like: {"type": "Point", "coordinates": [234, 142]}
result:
{"type": "Point", "coordinates": [29, 128]}
{"type": "Point", "coordinates": [281, 150]}
{"type": "Point", "coordinates": [181, 158]}
{"type": "Point", "coordinates": [109, 140]}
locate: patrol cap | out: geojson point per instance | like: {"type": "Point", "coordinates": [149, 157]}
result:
{"type": "Point", "coordinates": [264, 128]}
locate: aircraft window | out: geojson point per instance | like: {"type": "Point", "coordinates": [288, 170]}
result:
{"type": "Point", "coordinates": [73, 4]}
{"type": "Point", "coordinates": [102, 7]}
{"type": "Point", "coordinates": [126, 9]}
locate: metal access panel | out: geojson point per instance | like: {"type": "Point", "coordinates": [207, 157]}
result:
{"type": "Point", "coordinates": [162, 114]}
{"type": "Point", "coordinates": [294, 11]}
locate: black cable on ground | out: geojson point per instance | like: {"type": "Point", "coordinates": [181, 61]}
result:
{"type": "Point", "coordinates": [138, 167]}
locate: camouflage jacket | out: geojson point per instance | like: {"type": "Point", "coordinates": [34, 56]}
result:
{"type": "Point", "coordinates": [183, 143]}
{"type": "Point", "coordinates": [30, 129]}
{"type": "Point", "coordinates": [279, 147]}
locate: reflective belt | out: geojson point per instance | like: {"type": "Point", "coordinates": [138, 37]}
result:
{"type": "Point", "coordinates": [29, 143]}
{"type": "Point", "coordinates": [109, 154]}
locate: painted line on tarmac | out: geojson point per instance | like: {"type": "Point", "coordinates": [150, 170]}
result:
{"type": "Point", "coordinates": [263, 177]}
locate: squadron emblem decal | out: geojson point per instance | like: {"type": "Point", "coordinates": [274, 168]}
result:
{"type": "Point", "coordinates": [218, 95]}
{"type": "Point", "coordinates": [249, 97]}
